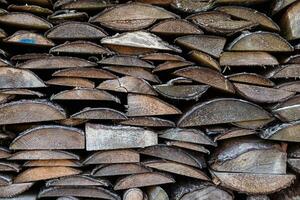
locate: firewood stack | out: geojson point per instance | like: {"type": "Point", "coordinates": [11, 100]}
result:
{"type": "Point", "coordinates": [150, 100]}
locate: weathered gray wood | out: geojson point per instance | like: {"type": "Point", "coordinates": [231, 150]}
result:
{"type": "Point", "coordinates": [13, 190]}
{"type": "Point", "coordinates": [78, 180]}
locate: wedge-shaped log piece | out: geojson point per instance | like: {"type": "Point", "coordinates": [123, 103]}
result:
{"type": "Point", "coordinates": [162, 57]}
{"type": "Point", "coordinates": [260, 41]}
{"type": "Point", "coordinates": [52, 163]}
{"type": "Point", "coordinates": [34, 9]}
{"type": "Point", "coordinates": [5, 179]}
{"type": "Point", "coordinates": [75, 31]}
{"type": "Point", "coordinates": [137, 72]}
{"type": "Point", "coordinates": [175, 154]}
{"type": "Point", "coordinates": [141, 105]}
{"type": "Point", "coordinates": [253, 124]}
{"type": "Point", "coordinates": [293, 59]}
{"type": "Point", "coordinates": [11, 77]}
{"type": "Point", "coordinates": [181, 92]}
{"type": "Point", "coordinates": [113, 156]}
{"type": "Point", "coordinates": [205, 60]}
{"type": "Point", "coordinates": [100, 114]}
{"type": "Point", "coordinates": [21, 92]}
{"type": "Point", "coordinates": [62, 16]}
{"type": "Point", "coordinates": [288, 113]}
{"type": "Point", "coordinates": [88, 192]}
{"type": "Point", "coordinates": [156, 193]}
{"type": "Point", "coordinates": [126, 61]}
{"type": "Point", "coordinates": [134, 194]}
{"type": "Point", "coordinates": [44, 173]}
{"type": "Point", "coordinates": [143, 180]}
{"type": "Point", "coordinates": [46, 3]}
{"type": "Point", "coordinates": [289, 22]}
{"type": "Point", "coordinates": [29, 56]}
{"type": "Point", "coordinates": [56, 62]}
{"type": "Point", "coordinates": [218, 110]}
{"type": "Point", "coordinates": [101, 137]}
{"type": "Point", "coordinates": [25, 111]}
{"type": "Point", "coordinates": [220, 23]}
{"type": "Point", "coordinates": [71, 122]}
{"type": "Point", "coordinates": [4, 152]}
{"type": "Point", "coordinates": [128, 84]}
{"type": "Point", "coordinates": [28, 38]}
{"type": "Point", "coordinates": [207, 76]}
{"type": "Point", "coordinates": [187, 135]}
{"type": "Point", "coordinates": [85, 94]}
{"type": "Point", "coordinates": [80, 48]}
{"type": "Point", "coordinates": [43, 155]}
{"type": "Point", "coordinates": [175, 27]}
{"type": "Point", "coordinates": [285, 71]}
{"type": "Point", "coordinates": [233, 133]}
{"type": "Point", "coordinates": [24, 21]}
{"type": "Point", "coordinates": [177, 168]}
{"type": "Point", "coordinates": [251, 79]}
{"type": "Point", "coordinates": [262, 94]}
{"type": "Point", "coordinates": [283, 132]}
{"type": "Point", "coordinates": [77, 180]}
{"type": "Point", "coordinates": [253, 183]}
{"type": "Point", "coordinates": [188, 146]}
{"type": "Point", "coordinates": [170, 65]}
{"type": "Point", "coordinates": [71, 82]}
{"type": "Point", "coordinates": [119, 169]}
{"type": "Point", "coordinates": [84, 5]}
{"type": "Point", "coordinates": [234, 59]}
{"type": "Point", "coordinates": [49, 137]}
{"type": "Point", "coordinates": [137, 42]}
{"type": "Point", "coordinates": [9, 167]}
{"type": "Point", "coordinates": [212, 45]}
{"type": "Point", "coordinates": [13, 190]}
{"type": "Point", "coordinates": [90, 72]}
{"type": "Point", "coordinates": [252, 15]}
{"type": "Point", "coordinates": [191, 6]}
{"type": "Point", "coordinates": [141, 16]}
{"type": "Point", "coordinates": [148, 122]}
{"type": "Point", "coordinates": [294, 163]}
{"type": "Point", "coordinates": [279, 5]}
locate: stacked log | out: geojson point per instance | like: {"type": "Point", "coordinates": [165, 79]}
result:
{"type": "Point", "coordinates": [149, 100]}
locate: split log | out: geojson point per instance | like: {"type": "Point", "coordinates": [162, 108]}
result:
{"type": "Point", "coordinates": [77, 180]}
{"type": "Point", "coordinates": [148, 122]}
{"type": "Point", "coordinates": [49, 137]}
{"type": "Point", "coordinates": [99, 113]}
{"type": "Point", "coordinates": [285, 71]}
{"type": "Point", "coordinates": [29, 196]}
{"type": "Point", "coordinates": [15, 189]}
{"type": "Point", "coordinates": [101, 137]}
{"type": "Point", "coordinates": [279, 5]}
{"type": "Point", "coordinates": [71, 82]}
{"type": "Point", "coordinates": [92, 73]}
{"type": "Point", "coordinates": [283, 132]}
{"type": "Point", "coordinates": [34, 9]}
{"type": "Point", "coordinates": [170, 65]}
{"type": "Point", "coordinates": [205, 60]}
{"type": "Point", "coordinates": [233, 133]}
{"type": "Point", "coordinates": [293, 86]}
{"type": "Point", "coordinates": [133, 194]}
{"type": "Point", "coordinates": [83, 5]}
{"type": "Point", "coordinates": [294, 163]}
{"type": "Point", "coordinates": [128, 61]}
{"type": "Point", "coordinates": [289, 22]}
{"type": "Point", "coordinates": [9, 167]}
{"type": "Point", "coordinates": [29, 56]}
{"type": "Point", "coordinates": [188, 146]}
{"type": "Point", "coordinates": [156, 193]}
{"type": "Point", "coordinates": [161, 57]}
{"type": "Point", "coordinates": [191, 6]}
{"type": "Point", "coordinates": [62, 16]}
{"type": "Point", "coordinates": [52, 163]}
{"type": "Point", "coordinates": [288, 110]}
{"type": "Point", "coordinates": [28, 38]}
{"type": "Point", "coordinates": [258, 197]}
{"type": "Point", "coordinates": [5, 179]}
{"type": "Point", "coordinates": [247, 59]}
{"type": "Point", "coordinates": [43, 155]}
{"type": "Point", "coordinates": [253, 124]}
{"type": "Point", "coordinates": [21, 92]}
{"type": "Point", "coordinates": [4, 152]}
{"type": "Point", "coordinates": [251, 79]}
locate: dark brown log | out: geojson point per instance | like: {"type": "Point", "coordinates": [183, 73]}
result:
{"type": "Point", "coordinates": [148, 122]}
{"type": "Point", "coordinates": [52, 163]}
{"type": "Point", "coordinates": [234, 132]}
{"type": "Point", "coordinates": [137, 43]}
{"type": "Point", "coordinates": [24, 21]}
{"type": "Point", "coordinates": [28, 38]}
{"type": "Point", "coordinates": [49, 137]}
{"type": "Point", "coordinates": [253, 124]}
{"type": "Point", "coordinates": [80, 48]}
{"type": "Point", "coordinates": [289, 22]}
{"type": "Point", "coordinates": [88, 192]}
{"type": "Point", "coordinates": [85, 5]}
{"type": "Point", "coordinates": [71, 82]}
{"type": "Point", "coordinates": [218, 110]}
{"type": "Point", "coordinates": [187, 135]}
{"type": "Point", "coordinates": [113, 157]}
{"type": "Point", "coordinates": [170, 65]}
{"type": "Point", "coordinates": [75, 31]}
{"type": "Point", "coordinates": [77, 180]}
{"type": "Point", "coordinates": [100, 114]}
{"type": "Point", "coordinates": [56, 62]}
{"type": "Point", "coordinates": [25, 111]}
{"type": "Point", "coordinates": [26, 79]}
{"type": "Point", "coordinates": [128, 61]}
{"type": "Point", "coordinates": [252, 15]}
{"type": "Point", "coordinates": [205, 60]}
{"type": "Point", "coordinates": [279, 5]}
{"type": "Point", "coordinates": [221, 23]}
{"type": "Point", "coordinates": [43, 155]}
{"type": "Point", "coordinates": [261, 94]}
{"type": "Point", "coordinates": [101, 137]}
{"type": "Point", "coordinates": [206, 76]}
{"type": "Point", "coordinates": [285, 71]}
{"type": "Point", "coordinates": [44, 173]}
{"type": "Point", "coordinates": [251, 79]}
{"type": "Point", "coordinates": [283, 132]}
{"type": "Point", "coordinates": [13, 190]}
{"type": "Point", "coordinates": [260, 41]}
{"type": "Point", "coordinates": [141, 105]}
{"type": "Point", "coordinates": [92, 73]}
{"type": "Point", "coordinates": [62, 16]}
{"type": "Point", "coordinates": [247, 59]}
{"type": "Point", "coordinates": [188, 146]}
{"type": "Point", "coordinates": [162, 57]}
{"type": "Point", "coordinates": [156, 193]}
{"type": "Point", "coordinates": [174, 154]}
{"type": "Point", "coordinates": [29, 56]}
{"type": "Point", "coordinates": [177, 168]}
{"type": "Point", "coordinates": [21, 92]}
{"type": "Point", "coordinates": [133, 194]}
{"type": "Point", "coordinates": [294, 151]}
{"type": "Point", "coordinates": [141, 16]}
{"type": "Point", "coordinates": [191, 6]}
{"type": "Point", "coordinates": [212, 45]}
{"type": "Point", "coordinates": [137, 72]}
{"type": "Point", "coordinates": [142, 180]}
{"type": "Point", "coordinates": [119, 169]}
{"type": "Point", "coordinates": [85, 94]}
{"type": "Point", "coordinates": [128, 84]}
{"type": "Point", "coordinates": [175, 27]}
{"type": "Point", "coordinates": [34, 9]}
{"type": "Point", "coordinates": [253, 183]}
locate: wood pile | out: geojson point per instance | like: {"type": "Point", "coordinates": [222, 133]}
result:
{"type": "Point", "coordinates": [150, 99]}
